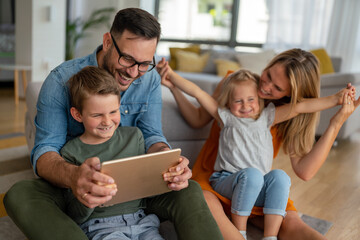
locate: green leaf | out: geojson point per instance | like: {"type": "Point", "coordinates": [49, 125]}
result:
{"type": "Point", "coordinates": [76, 29]}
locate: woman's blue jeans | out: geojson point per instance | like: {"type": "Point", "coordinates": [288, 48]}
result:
{"type": "Point", "coordinates": [249, 187]}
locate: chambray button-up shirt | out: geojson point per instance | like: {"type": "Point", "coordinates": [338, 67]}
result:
{"type": "Point", "coordinates": [141, 106]}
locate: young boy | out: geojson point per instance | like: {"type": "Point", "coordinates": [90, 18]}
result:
{"type": "Point", "coordinates": [95, 99]}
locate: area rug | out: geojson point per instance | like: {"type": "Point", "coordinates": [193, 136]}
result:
{"type": "Point", "coordinates": [167, 229]}
{"type": "Point", "coordinates": [15, 166]}
{"type": "Point", "coordinates": [11, 135]}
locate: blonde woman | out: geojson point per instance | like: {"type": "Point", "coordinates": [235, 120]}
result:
{"type": "Point", "coordinates": [289, 78]}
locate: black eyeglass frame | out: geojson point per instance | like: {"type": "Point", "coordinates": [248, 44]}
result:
{"type": "Point", "coordinates": [151, 65]}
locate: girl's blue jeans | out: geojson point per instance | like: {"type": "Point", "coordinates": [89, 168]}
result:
{"type": "Point", "coordinates": [249, 187]}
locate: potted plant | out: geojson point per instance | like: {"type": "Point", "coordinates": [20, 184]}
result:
{"type": "Point", "coordinates": [76, 29]}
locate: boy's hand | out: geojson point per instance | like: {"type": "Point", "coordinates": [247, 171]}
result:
{"type": "Point", "coordinates": [90, 186]}
{"type": "Point", "coordinates": [179, 175]}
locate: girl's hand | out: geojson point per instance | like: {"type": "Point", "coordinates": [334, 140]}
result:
{"type": "Point", "coordinates": [350, 90]}
{"type": "Point", "coordinates": [348, 107]}
{"type": "Point", "coordinates": [164, 70]}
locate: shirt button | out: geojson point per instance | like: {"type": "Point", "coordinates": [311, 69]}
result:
{"type": "Point", "coordinates": [126, 111]}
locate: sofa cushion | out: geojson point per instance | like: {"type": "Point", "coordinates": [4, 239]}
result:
{"type": "Point", "coordinates": [255, 62]}
{"type": "Point", "coordinates": [190, 61]}
{"type": "Point", "coordinates": [210, 66]}
{"type": "Point", "coordinates": [224, 65]}
{"type": "Point", "coordinates": [32, 93]}
{"type": "Point", "coordinates": [173, 50]}
{"type": "Point", "coordinates": [324, 59]}
{"type": "Point", "coordinates": [206, 82]}
{"type": "Point", "coordinates": [177, 132]}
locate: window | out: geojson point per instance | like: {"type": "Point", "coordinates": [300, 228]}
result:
{"type": "Point", "coordinates": [208, 20]}
{"type": "Point", "coordinates": [217, 22]}
{"type": "Point", "coordinates": [252, 22]}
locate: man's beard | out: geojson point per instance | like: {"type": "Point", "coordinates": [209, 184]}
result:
{"type": "Point", "coordinates": [106, 61]}
{"type": "Point", "coordinates": [105, 64]}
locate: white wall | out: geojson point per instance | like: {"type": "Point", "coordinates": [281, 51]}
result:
{"type": "Point", "coordinates": [40, 35]}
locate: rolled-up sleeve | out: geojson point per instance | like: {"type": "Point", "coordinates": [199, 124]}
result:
{"type": "Point", "coordinates": [51, 118]}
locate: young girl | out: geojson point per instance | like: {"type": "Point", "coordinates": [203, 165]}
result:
{"type": "Point", "coordinates": [245, 150]}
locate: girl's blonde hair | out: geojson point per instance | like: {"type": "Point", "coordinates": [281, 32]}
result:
{"type": "Point", "coordinates": [232, 81]}
{"type": "Point", "coordinates": [302, 70]}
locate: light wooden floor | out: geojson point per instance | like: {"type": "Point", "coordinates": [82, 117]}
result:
{"type": "Point", "coordinates": [333, 194]}
{"type": "Point", "coordinates": [11, 118]}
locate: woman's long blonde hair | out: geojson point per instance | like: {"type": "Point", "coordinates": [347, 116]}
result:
{"type": "Point", "coordinates": [302, 70]}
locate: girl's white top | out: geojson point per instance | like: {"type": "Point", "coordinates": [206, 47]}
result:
{"type": "Point", "coordinates": [245, 142]}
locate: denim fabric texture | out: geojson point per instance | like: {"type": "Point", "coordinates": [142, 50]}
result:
{"type": "Point", "coordinates": [249, 187]}
{"type": "Point", "coordinates": [141, 107]}
{"type": "Point", "coordinates": [135, 226]}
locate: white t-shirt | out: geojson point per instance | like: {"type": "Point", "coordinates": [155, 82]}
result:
{"type": "Point", "coordinates": [245, 142]}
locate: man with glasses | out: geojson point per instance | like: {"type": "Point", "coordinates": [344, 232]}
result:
{"type": "Point", "coordinates": [127, 52]}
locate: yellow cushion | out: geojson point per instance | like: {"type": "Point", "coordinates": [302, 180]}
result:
{"type": "Point", "coordinates": [190, 62]}
{"type": "Point", "coordinates": [324, 60]}
{"type": "Point", "coordinates": [224, 65]}
{"type": "Point", "coordinates": [2, 208]}
{"type": "Point", "coordinates": [173, 50]}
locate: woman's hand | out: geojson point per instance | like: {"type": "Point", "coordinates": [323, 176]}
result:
{"type": "Point", "coordinates": [165, 71]}
{"type": "Point", "coordinates": [350, 90]}
{"type": "Point", "coordinates": [348, 107]}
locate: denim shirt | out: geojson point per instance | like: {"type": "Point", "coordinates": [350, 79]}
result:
{"type": "Point", "coordinates": [141, 107]}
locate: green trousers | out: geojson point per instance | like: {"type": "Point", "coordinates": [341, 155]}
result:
{"type": "Point", "coordinates": [37, 208]}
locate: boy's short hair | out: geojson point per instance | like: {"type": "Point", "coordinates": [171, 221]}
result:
{"type": "Point", "coordinates": [91, 81]}
{"type": "Point", "coordinates": [136, 21]}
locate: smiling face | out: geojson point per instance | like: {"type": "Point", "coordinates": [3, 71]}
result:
{"type": "Point", "coordinates": [133, 47]}
{"type": "Point", "coordinates": [273, 83]}
{"type": "Point", "coordinates": [100, 116]}
{"type": "Point", "coordinates": [244, 100]}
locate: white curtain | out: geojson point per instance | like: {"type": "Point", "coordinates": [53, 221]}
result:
{"type": "Point", "coordinates": [344, 34]}
{"type": "Point", "coordinates": [298, 23]}
{"type": "Point", "coordinates": [310, 24]}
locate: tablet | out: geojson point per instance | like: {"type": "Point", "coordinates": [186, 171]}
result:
{"type": "Point", "coordinates": [140, 176]}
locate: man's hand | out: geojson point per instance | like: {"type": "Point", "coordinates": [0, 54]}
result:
{"type": "Point", "coordinates": [179, 175]}
{"type": "Point", "coordinates": [90, 186]}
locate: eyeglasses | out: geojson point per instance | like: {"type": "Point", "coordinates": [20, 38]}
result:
{"type": "Point", "coordinates": [128, 61]}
